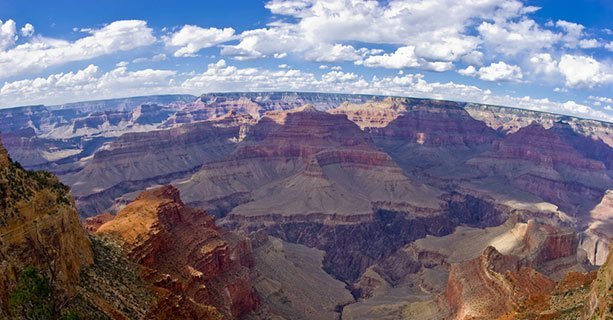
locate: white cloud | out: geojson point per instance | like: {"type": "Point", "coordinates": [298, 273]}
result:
{"type": "Point", "coordinates": [338, 76]}
{"type": "Point", "coordinates": [499, 71]}
{"type": "Point", "coordinates": [574, 32]}
{"type": "Point", "coordinates": [88, 82]}
{"type": "Point", "coordinates": [543, 63]}
{"type": "Point", "coordinates": [332, 53]}
{"type": "Point", "coordinates": [403, 57]}
{"type": "Point", "coordinates": [469, 71]}
{"type": "Point", "coordinates": [41, 53]}
{"type": "Point", "coordinates": [156, 58]}
{"type": "Point", "coordinates": [8, 34]}
{"type": "Point", "coordinates": [326, 30]}
{"type": "Point", "coordinates": [27, 30]}
{"type": "Point", "coordinates": [221, 77]}
{"type": "Point", "coordinates": [601, 99]}
{"type": "Point", "coordinates": [589, 44]}
{"type": "Point", "coordinates": [450, 49]}
{"type": "Point", "coordinates": [584, 71]}
{"type": "Point", "coordinates": [511, 38]}
{"type": "Point", "coordinates": [259, 43]}
{"type": "Point", "coordinates": [192, 39]}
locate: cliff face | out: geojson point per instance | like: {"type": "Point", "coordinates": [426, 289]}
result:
{"type": "Point", "coordinates": [544, 147]}
{"type": "Point", "coordinates": [137, 160]}
{"type": "Point", "coordinates": [306, 162]}
{"type": "Point", "coordinates": [502, 279]}
{"type": "Point", "coordinates": [39, 226]}
{"type": "Point", "coordinates": [185, 252]}
{"type": "Point", "coordinates": [551, 165]}
{"type": "Point", "coordinates": [599, 303]}
{"type": "Point", "coordinates": [437, 123]}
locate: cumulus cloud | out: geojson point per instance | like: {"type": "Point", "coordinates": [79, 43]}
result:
{"type": "Point", "coordinates": [88, 82]}
{"type": "Point", "coordinates": [584, 71]}
{"type": "Point", "coordinates": [544, 63]}
{"type": "Point", "coordinates": [420, 36]}
{"type": "Point", "coordinates": [191, 39]}
{"type": "Point", "coordinates": [41, 53]}
{"type": "Point", "coordinates": [403, 57]}
{"type": "Point", "coordinates": [8, 34]}
{"type": "Point", "coordinates": [27, 30]}
{"type": "Point", "coordinates": [511, 38]}
{"type": "Point", "coordinates": [332, 53]}
{"type": "Point", "coordinates": [326, 30]}
{"type": "Point", "coordinates": [499, 71]}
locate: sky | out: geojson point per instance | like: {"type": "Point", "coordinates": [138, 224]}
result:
{"type": "Point", "coordinates": [547, 55]}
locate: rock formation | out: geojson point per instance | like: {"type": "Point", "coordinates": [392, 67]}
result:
{"type": "Point", "coordinates": [397, 197]}
{"type": "Point", "coordinates": [307, 162]}
{"type": "Point", "coordinates": [542, 162]}
{"type": "Point", "coordinates": [185, 252]}
{"type": "Point", "coordinates": [436, 123]}
{"type": "Point", "coordinates": [138, 160]}
{"type": "Point", "coordinates": [39, 227]}
{"type": "Point", "coordinates": [502, 279]}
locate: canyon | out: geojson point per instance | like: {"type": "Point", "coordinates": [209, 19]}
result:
{"type": "Point", "coordinates": [290, 205]}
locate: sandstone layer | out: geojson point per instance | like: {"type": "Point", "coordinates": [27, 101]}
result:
{"type": "Point", "coordinates": [185, 252]}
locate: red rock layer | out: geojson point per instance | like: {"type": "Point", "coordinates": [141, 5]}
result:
{"type": "Point", "coordinates": [543, 147]}
{"type": "Point", "coordinates": [437, 123]}
{"type": "Point", "coordinates": [490, 285]}
{"type": "Point", "coordinates": [185, 252]}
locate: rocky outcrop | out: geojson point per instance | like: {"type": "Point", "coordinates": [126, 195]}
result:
{"type": "Point", "coordinates": [544, 147]}
{"type": "Point", "coordinates": [185, 252]}
{"type": "Point", "coordinates": [502, 279]}
{"type": "Point", "coordinates": [353, 246]}
{"type": "Point", "coordinates": [596, 239]}
{"type": "Point", "coordinates": [599, 304]}
{"type": "Point", "coordinates": [591, 147]}
{"type": "Point", "coordinates": [373, 114]}
{"type": "Point", "coordinates": [39, 227]}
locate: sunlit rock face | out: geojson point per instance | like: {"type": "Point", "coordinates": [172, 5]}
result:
{"type": "Point", "coordinates": [186, 252]}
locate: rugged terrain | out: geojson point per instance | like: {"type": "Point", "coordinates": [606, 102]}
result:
{"type": "Point", "coordinates": [185, 252]}
{"type": "Point", "coordinates": [119, 273]}
{"type": "Point", "coordinates": [383, 207]}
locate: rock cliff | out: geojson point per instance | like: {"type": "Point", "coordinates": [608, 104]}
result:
{"type": "Point", "coordinates": [185, 252]}
{"type": "Point", "coordinates": [39, 227]}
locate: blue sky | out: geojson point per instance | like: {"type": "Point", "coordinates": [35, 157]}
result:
{"type": "Point", "coordinates": [546, 55]}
